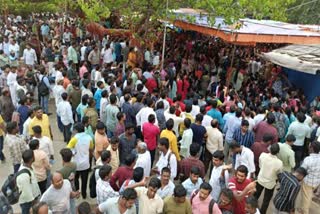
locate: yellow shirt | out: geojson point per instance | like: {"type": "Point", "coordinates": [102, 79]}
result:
{"type": "Point", "coordinates": [1, 123]}
{"type": "Point", "coordinates": [182, 126]}
{"type": "Point", "coordinates": [114, 162]}
{"type": "Point", "coordinates": [101, 143]}
{"type": "Point", "coordinates": [173, 144]}
{"type": "Point", "coordinates": [43, 123]}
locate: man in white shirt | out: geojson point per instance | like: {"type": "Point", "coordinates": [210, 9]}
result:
{"type": "Point", "coordinates": [171, 114]}
{"type": "Point", "coordinates": [103, 188]}
{"type": "Point", "coordinates": [64, 111]}
{"type": "Point", "coordinates": [144, 159]}
{"type": "Point", "coordinates": [45, 143]}
{"type": "Point", "coordinates": [143, 114]}
{"type": "Point", "coordinates": [29, 56]}
{"type": "Point", "coordinates": [167, 186]}
{"type": "Point", "coordinates": [12, 83]}
{"type": "Point", "coordinates": [14, 47]}
{"type": "Point", "coordinates": [244, 156]}
{"type": "Point", "coordinates": [58, 195]}
{"type": "Point", "coordinates": [166, 159]}
{"type": "Point", "coordinates": [206, 118]}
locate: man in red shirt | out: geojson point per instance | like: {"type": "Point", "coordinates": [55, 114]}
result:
{"type": "Point", "coordinates": [259, 147]}
{"type": "Point", "coordinates": [151, 133]}
{"type": "Point", "coordinates": [123, 172]}
{"type": "Point", "coordinates": [241, 187]}
{"type": "Point", "coordinates": [266, 127]}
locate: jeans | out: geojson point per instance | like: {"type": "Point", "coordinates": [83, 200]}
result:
{"type": "Point", "coordinates": [16, 168]}
{"type": "Point", "coordinates": [67, 133]}
{"type": "Point", "coordinates": [25, 207]}
{"type": "Point", "coordinates": [268, 193]}
{"type": "Point", "coordinates": [1, 148]}
{"type": "Point", "coordinates": [84, 180]}
{"type": "Point", "coordinates": [60, 125]}
{"type": "Point", "coordinates": [45, 103]}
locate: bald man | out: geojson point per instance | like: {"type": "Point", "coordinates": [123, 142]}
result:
{"type": "Point", "coordinates": [144, 158]}
{"type": "Point", "coordinates": [58, 195]}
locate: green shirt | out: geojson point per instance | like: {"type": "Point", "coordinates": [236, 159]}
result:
{"type": "Point", "coordinates": [67, 169]}
{"type": "Point", "coordinates": [286, 155]}
{"type": "Point", "coordinates": [171, 207]}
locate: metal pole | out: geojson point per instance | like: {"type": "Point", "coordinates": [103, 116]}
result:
{"type": "Point", "coordinates": [164, 37]}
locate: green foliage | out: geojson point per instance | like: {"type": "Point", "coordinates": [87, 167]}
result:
{"type": "Point", "coordinates": [94, 10]}
{"type": "Point", "coordinates": [233, 10]}
{"type": "Point", "coordinates": [304, 12]}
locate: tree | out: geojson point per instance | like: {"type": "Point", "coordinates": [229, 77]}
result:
{"type": "Point", "coordinates": [304, 12]}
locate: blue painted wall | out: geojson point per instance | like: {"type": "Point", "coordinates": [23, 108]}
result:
{"type": "Point", "coordinates": [308, 82]}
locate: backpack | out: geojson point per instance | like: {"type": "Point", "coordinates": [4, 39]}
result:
{"type": "Point", "coordinates": [43, 90]}
{"type": "Point", "coordinates": [314, 134]}
{"type": "Point", "coordinates": [280, 125]}
{"type": "Point", "coordinates": [10, 188]}
{"type": "Point", "coordinates": [93, 183]}
{"type": "Point", "coordinates": [211, 204]}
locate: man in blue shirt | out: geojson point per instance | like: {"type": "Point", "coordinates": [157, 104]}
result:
{"type": "Point", "coordinates": [215, 113]}
{"type": "Point", "coordinates": [232, 124]}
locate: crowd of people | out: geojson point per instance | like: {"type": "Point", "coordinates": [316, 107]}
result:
{"type": "Point", "coordinates": [196, 136]}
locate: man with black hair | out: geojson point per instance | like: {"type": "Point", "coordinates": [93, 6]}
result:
{"type": "Point", "coordinates": [186, 139]}
{"type": "Point", "coordinates": [15, 144]}
{"type": "Point", "coordinates": [312, 179]}
{"type": "Point", "coordinates": [97, 94]}
{"type": "Point", "coordinates": [219, 175]}
{"type": "Point", "coordinates": [177, 203]}
{"type": "Point", "coordinates": [45, 143]}
{"type": "Point", "coordinates": [42, 120]}
{"type": "Point", "coordinates": [128, 142]}
{"type": "Point", "coordinates": [214, 113]}
{"type": "Point", "coordinates": [286, 154]}
{"type": "Point", "coordinates": [114, 150]}
{"type": "Point", "coordinates": [202, 202]}
{"type": "Point", "coordinates": [284, 200]}
{"type": "Point", "coordinates": [27, 183]}
{"type": "Point", "coordinates": [167, 185]}
{"type": "Point", "coordinates": [270, 167]}
{"type": "Point", "coordinates": [151, 133]}
{"type": "Point", "coordinates": [243, 135]}
{"type": "Point", "coordinates": [166, 158]}
{"type": "Point", "coordinates": [193, 160]}
{"type": "Point", "coordinates": [265, 127]}
{"type": "Point", "coordinates": [40, 164]}
{"type": "Point", "coordinates": [243, 156]}
{"type": "Point", "coordinates": [252, 205]}
{"type": "Point", "coordinates": [259, 147]}
{"type": "Point", "coordinates": [171, 114]}
{"type": "Point", "coordinates": [143, 114]}
{"type": "Point", "coordinates": [103, 188]}
{"type": "Point", "coordinates": [302, 132]}
{"type": "Point", "coordinates": [149, 201]}
{"type": "Point", "coordinates": [64, 111]}
{"type": "Point", "coordinates": [225, 201]}
{"type": "Point", "coordinates": [83, 148]}
{"type": "Point", "coordinates": [199, 132]}
{"type": "Point", "coordinates": [172, 138]}
{"type": "Point", "coordinates": [69, 168]}
{"type": "Point", "coordinates": [111, 115]}
{"type": "Point", "coordinates": [123, 172]}
{"type": "Point", "coordinates": [127, 109]}
{"type": "Point", "coordinates": [241, 187]}
{"type": "Point", "coordinates": [232, 124]}
{"type": "Point", "coordinates": [193, 182]}
{"type": "Point", "coordinates": [122, 204]}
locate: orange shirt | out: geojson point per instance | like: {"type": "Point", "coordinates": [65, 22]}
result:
{"type": "Point", "coordinates": [101, 143]}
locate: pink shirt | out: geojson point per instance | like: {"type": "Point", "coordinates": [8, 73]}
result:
{"type": "Point", "coordinates": [150, 132]}
{"type": "Point", "coordinates": [202, 207]}
{"type": "Point", "coordinates": [82, 70]}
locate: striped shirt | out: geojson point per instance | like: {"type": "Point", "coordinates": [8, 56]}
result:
{"type": "Point", "coordinates": [288, 191]}
{"type": "Point", "coordinates": [246, 139]}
